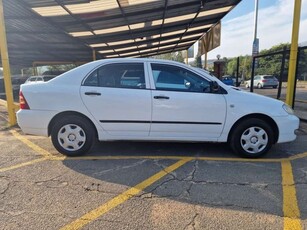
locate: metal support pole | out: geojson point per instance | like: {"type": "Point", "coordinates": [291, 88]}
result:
{"type": "Point", "coordinates": [237, 75]}
{"type": "Point", "coordinates": [293, 52]}
{"type": "Point", "coordinates": [6, 69]}
{"type": "Point", "coordinates": [255, 51]}
{"type": "Point", "coordinates": [282, 68]}
{"type": "Point", "coordinates": [187, 57]}
{"type": "Point", "coordinates": [206, 60]}
{"type": "Point", "coordinates": [296, 75]}
{"type": "Point", "coordinates": [94, 55]}
{"type": "Point", "coordinates": [252, 76]}
{"type": "Point", "coordinates": [34, 69]}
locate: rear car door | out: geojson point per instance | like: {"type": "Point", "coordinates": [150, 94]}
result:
{"type": "Point", "coordinates": [183, 105]}
{"type": "Point", "coordinates": [116, 95]}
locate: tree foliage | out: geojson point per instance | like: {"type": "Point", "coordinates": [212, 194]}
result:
{"type": "Point", "coordinates": [266, 65]}
{"type": "Point", "coordinates": [61, 68]}
{"type": "Point", "coordinates": [174, 56]}
{"type": "Point", "coordinates": [244, 66]}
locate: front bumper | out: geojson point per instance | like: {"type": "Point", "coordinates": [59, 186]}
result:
{"type": "Point", "coordinates": [287, 128]}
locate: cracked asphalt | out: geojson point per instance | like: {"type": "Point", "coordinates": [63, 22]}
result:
{"type": "Point", "coordinates": [207, 192]}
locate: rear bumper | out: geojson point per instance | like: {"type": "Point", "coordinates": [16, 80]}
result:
{"type": "Point", "coordinates": [35, 121]}
{"type": "Point", "coordinates": [287, 127]}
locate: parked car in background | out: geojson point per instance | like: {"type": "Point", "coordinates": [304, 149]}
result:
{"type": "Point", "coordinates": [151, 100]}
{"type": "Point", "coordinates": [37, 79]}
{"type": "Point", "coordinates": [16, 80]}
{"type": "Point", "coordinates": [235, 83]}
{"type": "Point", "coordinates": [262, 81]}
{"type": "Point", "coordinates": [227, 80]}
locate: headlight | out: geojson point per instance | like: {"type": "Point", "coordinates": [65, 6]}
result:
{"type": "Point", "coordinates": [288, 109]}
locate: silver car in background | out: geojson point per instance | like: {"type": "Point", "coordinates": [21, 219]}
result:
{"type": "Point", "coordinates": [262, 81]}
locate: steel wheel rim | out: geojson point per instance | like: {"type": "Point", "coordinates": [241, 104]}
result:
{"type": "Point", "coordinates": [254, 140]}
{"type": "Point", "coordinates": [71, 137]}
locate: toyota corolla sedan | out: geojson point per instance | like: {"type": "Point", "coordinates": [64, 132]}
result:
{"type": "Point", "coordinates": [151, 100]}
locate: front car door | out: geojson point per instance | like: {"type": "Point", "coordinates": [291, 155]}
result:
{"type": "Point", "coordinates": [183, 106]}
{"type": "Point", "coordinates": [116, 95]}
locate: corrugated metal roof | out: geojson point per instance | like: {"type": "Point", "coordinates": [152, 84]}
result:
{"type": "Point", "coordinates": [69, 30]}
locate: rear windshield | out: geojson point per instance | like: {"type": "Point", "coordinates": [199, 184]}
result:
{"type": "Point", "coordinates": [47, 78]}
{"type": "Point", "coordinates": [268, 77]}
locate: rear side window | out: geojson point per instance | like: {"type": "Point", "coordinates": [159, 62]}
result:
{"type": "Point", "coordinates": [118, 75]}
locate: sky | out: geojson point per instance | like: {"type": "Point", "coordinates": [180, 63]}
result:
{"type": "Point", "coordinates": [274, 27]}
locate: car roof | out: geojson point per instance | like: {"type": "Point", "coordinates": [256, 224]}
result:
{"type": "Point", "coordinates": [120, 60]}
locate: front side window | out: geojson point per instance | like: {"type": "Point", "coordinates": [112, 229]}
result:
{"type": "Point", "coordinates": [173, 78]}
{"type": "Point", "coordinates": [118, 75]}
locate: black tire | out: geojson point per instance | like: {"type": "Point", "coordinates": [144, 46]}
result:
{"type": "Point", "coordinates": [251, 138]}
{"type": "Point", "coordinates": [259, 86]}
{"type": "Point", "coordinates": [274, 87]}
{"type": "Point", "coordinates": [74, 131]}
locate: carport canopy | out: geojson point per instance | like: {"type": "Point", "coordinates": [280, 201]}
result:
{"type": "Point", "coordinates": [70, 30]}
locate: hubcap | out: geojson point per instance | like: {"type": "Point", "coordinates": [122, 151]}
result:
{"type": "Point", "coordinates": [71, 137]}
{"type": "Point", "coordinates": [254, 139]}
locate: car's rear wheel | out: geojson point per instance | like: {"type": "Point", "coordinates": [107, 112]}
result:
{"type": "Point", "coordinates": [73, 135]}
{"type": "Point", "coordinates": [247, 86]}
{"type": "Point", "coordinates": [259, 86]}
{"type": "Point", "coordinates": [252, 138]}
{"type": "Point", "coordinates": [274, 87]}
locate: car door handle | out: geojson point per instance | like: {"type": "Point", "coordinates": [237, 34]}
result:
{"type": "Point", "coordinates": [92, 93]}
{"type": "Point", "coordinates": [161, 97]}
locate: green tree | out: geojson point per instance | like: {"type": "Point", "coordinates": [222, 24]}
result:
{"type": "Point", "coordinates": [61, 68]}
{"type": "Point", "coordinates": [174, 56]}
{"type": "Point", "coordinates": [272, 63]}
{"type": "Point", "coordinates": [244, 66]}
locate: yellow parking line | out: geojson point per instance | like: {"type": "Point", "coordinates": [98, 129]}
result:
{"type": "Point", "coordinates": [120, 157]}
{"type": "Point", "coordinates": [238, 159]}
{"type": "Point", "coordinates": [45, 153]}
{"type": "Point", "coordinates": [167, 158]}
{"type": "Point", "coordinates": [30, 144]}
{"type": "Point", "coordinates": [22, 164]}
{"type": "Point", "coordinates": [298, 156]}
{"type": "Point", "coordinates": [94, 214]}
{"type": "Point", "coordinates": [290, 207]}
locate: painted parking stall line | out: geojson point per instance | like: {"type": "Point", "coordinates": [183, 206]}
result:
{"type": "Point", "coordinates": [23, 164]}
{"type": "Point", "coordinates": [290, 206]}
{"type": "Point", "coordinates": [94, 214]}
{"type": "Point", "coordinates": [30, 144]}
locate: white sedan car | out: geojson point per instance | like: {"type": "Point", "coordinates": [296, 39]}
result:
{"type": "Point", "coordinates": [261, 81]}
{"type": "Point", "coordinates": [151, 100]}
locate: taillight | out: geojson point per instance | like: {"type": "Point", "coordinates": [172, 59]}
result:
{"type": "Point", "coordinates": [23, 102]}
{"type": "Point", "coordinates": [264, 80]}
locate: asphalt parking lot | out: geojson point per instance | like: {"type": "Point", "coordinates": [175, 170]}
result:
{"type": "Point", "coordinates": [141, 185]}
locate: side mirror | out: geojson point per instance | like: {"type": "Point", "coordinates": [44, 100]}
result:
{"type": "Point", "coordinates": [215, 87]}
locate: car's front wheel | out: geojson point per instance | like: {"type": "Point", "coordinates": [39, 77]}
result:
{"type": "Point", "coordinates": [252, 138]}
{"type": "Point", "coordinates": [73, 135]}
